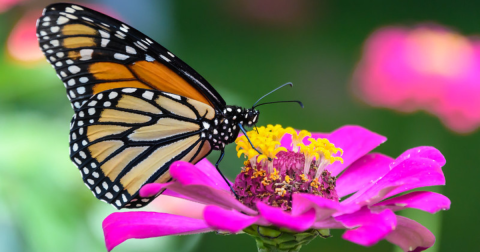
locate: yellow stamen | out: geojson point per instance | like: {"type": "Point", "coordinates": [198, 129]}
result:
{"type": "Point", "coordinates": [287, 179]}
{"type": "Point", "coordinates": [258, 173]}
{"type": "Point", "coordinates": [280, 191]}
{"type": "Point", "coordinates": [297, 137]}
{"type": "Point", "coordinates": [303, 177]}
{"type": "Point", "coordinates": [315, 183]}
{"type": "Point", "coordinates": [274, 175]}
{"type": "Point", "coordinates": [245, 169]}
{"type": "Point", "coordinates": [266, 181]}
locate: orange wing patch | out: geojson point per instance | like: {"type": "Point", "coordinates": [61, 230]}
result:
{"type": "Point", "coordinates": [146, 75]}
{"type": "Point", "coordinates": [160, 77]}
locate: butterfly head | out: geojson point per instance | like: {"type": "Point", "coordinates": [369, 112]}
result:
{"type": "Point", "coordinates": [251, 117]}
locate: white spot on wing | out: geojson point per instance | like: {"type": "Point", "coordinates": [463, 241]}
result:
{"type": "Point", "coordinates": [129, 90]}
{"type": "Point", "coordinates": [174, 96]}
{"type": "Point", "coordinates": [71, 82]}
{"type": "Point", "coordinates": [88, 19]}
{"type": "Point", "coordinates": [83, 79]}
{"type": "Point", "coordinates": [74, 69]}
{"type": "Point", "coordinates": [105, 42]}
{"type": "Point", "coordinates": [62, 20]}
{"type": "Point", "coordinates": [55, 42]}
{"type": "Point", "coordinates": [104, 34]}
{"type": "Point", "coordinates": [120, 56]}
{"type": "Point", "coordinates": [77, 7]}
{"type": "Point", "coordinates": [54, 29]}
{"type": "Point", "coordinates": [112, 95]}
{"type": "Point", "coordinates": [148, 95]}
{"type": "Point", "coordinates": [206, 125]}
{"type": "Point", "coordinates": [130, 50]}
{"type": "Point", "coordinates": [164, 58]}
{"type": "Point", "coordinates": [149, 58]}
{"type": "Point", "coordinates": [171, 54]}
{"type": "Point", "coordinates": [86, 54]}
{"type": "Point", "coordinates": [81, 90]}
{"type": "Point", "coordinates": [69, 10]}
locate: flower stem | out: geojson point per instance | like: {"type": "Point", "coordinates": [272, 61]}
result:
{"type": "Point", "coordinates": [273, 239]}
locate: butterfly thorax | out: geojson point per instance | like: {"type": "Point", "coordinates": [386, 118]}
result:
{"type": "Point", "coordinates": [225, 129]}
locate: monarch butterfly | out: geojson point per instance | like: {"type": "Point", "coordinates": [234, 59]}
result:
{"type": "Point", "coordinates": [138, 107]}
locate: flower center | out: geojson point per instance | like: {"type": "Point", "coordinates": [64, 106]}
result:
{"type": "Point", "coordinates": [275, 175]}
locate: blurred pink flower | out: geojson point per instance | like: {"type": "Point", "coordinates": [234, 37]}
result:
{"type": "Point", "coordinates": [7, 4]}
{"type": "Point", "coordinates": [426, 68]}
{"type": "Point", "coordinates": [369, 186]}
{"type": "Point", "coordinates": [22, 44]}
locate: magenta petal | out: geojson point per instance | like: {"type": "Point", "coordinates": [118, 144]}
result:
{"type": "Point", "coordinates": [210, 196]}
{"type": "Point", "coordinates": [409, 174]}
{"type": "Point", "coordinates": [317, 135]}
{"type": "Point", "coordinates": [427, 201]}
{"type": "Point", "coordinates": [362, 173]}
{"type": "Point", "coordinates": [282, 219]}
{"type": "Point", "coordinates": [209, 169]}
{"type": "Point", "coordinates": [410, 235]}
{"type": "Point", "coordinates": [424, 152]}
{"type": "Point", "coordinates": [119, 227]}
{"type": "Point", "coordinates": [328, 223]}
{"type": "Point", "coordinates": [227, 220]}
{"type": "Point", "coordinates": [369, 227]}
{"type": "Point", "coordinates": [324, 208]}
{"type": "Point", "coordinates": [188, 174]}
{"type": "Point", "coordinates": [355, 142]}
{"type": "Point", "coordinates": [152, 189]}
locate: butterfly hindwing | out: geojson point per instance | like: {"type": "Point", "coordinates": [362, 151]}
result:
{"type": "Point", "coordinates": [124, 138]}
{"type": "Point", "coordinates": [92, 52]}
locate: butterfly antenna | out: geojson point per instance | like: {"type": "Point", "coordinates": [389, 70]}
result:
{"type": "Point", "coordinates": [265, 103]}
{"type": "Point", "coordinates": [286, 84]}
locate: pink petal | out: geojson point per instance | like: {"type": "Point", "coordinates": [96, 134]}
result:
{"type": "Point", "coordinates": [355, 141]}
{"type": "Point", "coordinates": [427, 201]}
{"type": "Point", "coordinates": [409, 174]}
{"type": "Point", "coordinates": [328, 223]}
{"type": "Point", "coordinates": [369, 227]}
{"type": "Point", "coordinates": [208, 168]}
{"type": "Point", "coordinates": [196, 185]}
{"type": "Point", "coordinates": [317, 135]}
{"type": "Point", "coordinates": [200, 174]}
{"type": "Point", "coordinates": [207, 195]}
{"type": "Point", "coordinates": [227, 220]}
{"type": "Point", "coordinates": [152, 189]}
{"type": "Point", "coordinates": [119, 227]}
{"type": "Point", "coordinates": [425, 152]}
{"type": "Point", "coordinates": [362, 173]}
{"type": "Point", "coordinates": [324, 208]}
{"type": "Point", "coordinates": [282, 219]}
{"type": "Point", "coordinates": [410, 235]}
{"type": "Point", "coordinates": [286, 140]}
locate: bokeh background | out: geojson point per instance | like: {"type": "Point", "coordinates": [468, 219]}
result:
{"type": "Point", "coordinates": [337, 53]}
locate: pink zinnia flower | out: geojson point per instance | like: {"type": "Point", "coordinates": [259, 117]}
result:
{"type": "Point", "coordinates": [291, 194]}
{"type": "Point", "coordinates": [426, 68]}
{"type": "Point", "coordinates": [7, 4]}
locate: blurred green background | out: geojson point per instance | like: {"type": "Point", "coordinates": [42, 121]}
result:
{"type": "Point", "coordinates": [245, 49]}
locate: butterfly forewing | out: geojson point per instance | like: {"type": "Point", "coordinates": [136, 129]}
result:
{"type": "Point", "coordinates": [92, 52]}
{"type": "Point", "coordinates": [124, 138]}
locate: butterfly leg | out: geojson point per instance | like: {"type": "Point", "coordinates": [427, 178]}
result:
{"type": "Point", "coordinates": [245, 133]}
{"type": "Point", "coordinates": [218, 169]}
